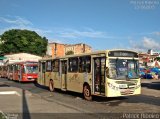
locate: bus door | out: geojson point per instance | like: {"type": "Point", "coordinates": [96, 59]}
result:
{"type": "Point", "coordinates": [43, 72]}
{"type": "Point", "coordinates": [99, 75]}
{"type": "Point", "coordinates": [13, 72]}
{"type": "Point", "coordinates": [63, 74]}
{"type": "Point", "coordinates": [20, 72]}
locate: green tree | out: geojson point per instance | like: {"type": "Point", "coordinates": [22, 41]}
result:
{"type": "Point", "coordinates": [16, 40]}
{"type": "Point", "coordinates": [69, 52]}
{"type": "Point", "coordinates": [157, 58]}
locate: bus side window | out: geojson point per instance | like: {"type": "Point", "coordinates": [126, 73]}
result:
{"type": "Point", "coordinates": [73, 65]}
{"type": "Point", "coordinates": [23, 69]}
{"type": "Point", "coordinates": [64, 67]}
{"type": "Point", "coordinates": [88, 64]}
{"type": "Point", "coordinates": [81, 64]}
{"type": "Point", "coordinates": [43, 67]}
{"type": "Point", "coordinates": [48, 66]}
{"type": "Point", "coordinates": [16, 68]}
{"type": "Point", "coordinates": [55, 65]}
{"type": "Point", "coordinates": [85, 64]}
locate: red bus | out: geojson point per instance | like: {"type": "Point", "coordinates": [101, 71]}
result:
{"type": "Point", "coordinates": [23, 71]}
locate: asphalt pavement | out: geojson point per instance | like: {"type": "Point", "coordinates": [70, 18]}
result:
{"type": "Point", "coordinates": [30, 100]}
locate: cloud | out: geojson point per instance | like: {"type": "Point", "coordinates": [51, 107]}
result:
{"type": "Point", "coordinates": [150, 43]}
{"type": "Point", "coordinates": [21, 23]}
{"type": "Point", "coordinates": [145, 44]}
{"type": "Point", "coordinates": [65, 34]}
{"type": "Point", "coordinates": [16, 21]}
{"type": "Point", "coordinates": [156, 33]}
{"type": "Point", "coordinates": [41, 32]}
{"type": "Point", "coordinates": [55, 40]}
{"type": "Point", "coordinates": [77, 34]}
{"type": "Point", "coordinates": [84, 33]}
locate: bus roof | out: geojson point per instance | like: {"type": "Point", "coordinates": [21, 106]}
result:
{"type": "Point", "coordinates": [22, 62]}
{"type": "Point", "coordinates": [85, 54]}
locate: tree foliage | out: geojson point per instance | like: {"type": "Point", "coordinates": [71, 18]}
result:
{"type": "Point", "coordinates": [69, 52]}
{"type": "Point", "coordinates": [16, 40]}
{"type": "Point", "coordinates": [157, 58]}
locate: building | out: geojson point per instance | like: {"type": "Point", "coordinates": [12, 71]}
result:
{"type": "Point", "coordinates": [155, 64]}
{"type": "Point", "coordinates": [78, 48]}
{"type": "Point", "coordinates": [55, 50]}
{"type": "Point", "coordinates": [147, 59]}
{"type": "Point", "coordinates": [150, 51]}
{"type": "Point", "coordinates": [58, 50]}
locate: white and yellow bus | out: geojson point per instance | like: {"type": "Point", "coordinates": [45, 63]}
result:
{"type": "Point", "coordinates": [109, 73]}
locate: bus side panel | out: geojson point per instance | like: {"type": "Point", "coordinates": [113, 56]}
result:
{"type": "Point", "coordinates": [40, 74]}
{"type": "Point", "coordinates": [75, 82]}
{"type": "Point", "coordinates": [40, 78]}
{"type": "Point", "coordinates": [55, 76]}
{"type": "Point", "coordinates": [47, 78]}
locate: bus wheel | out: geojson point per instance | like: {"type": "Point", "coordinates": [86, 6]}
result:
{"type": "Point", "coordinates": [87, 92]}
{"type": "Point", "coordinates": [51, 85]}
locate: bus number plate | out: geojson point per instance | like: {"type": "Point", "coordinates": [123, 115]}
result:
{"type": "Point", "coordinates": [123, 86]}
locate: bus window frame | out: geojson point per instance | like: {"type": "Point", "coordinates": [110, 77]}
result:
{"type": "Point", "coordinates": [39, 66]}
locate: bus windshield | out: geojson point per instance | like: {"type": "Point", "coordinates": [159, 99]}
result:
{"type": "Point", "coordinates": [31, 69]}
{"type": "Point", "coordinates": [123, 69]}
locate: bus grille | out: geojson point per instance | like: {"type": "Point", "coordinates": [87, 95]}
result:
{"type": "Point", "coordinates": [130, 87]}
{"type": "Point", "coordinates": [127, 92]}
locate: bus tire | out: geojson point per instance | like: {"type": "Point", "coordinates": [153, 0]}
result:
{"type": "Point", "coordinates": [51, 85]}
{"type": "Point", "coordinates": [87, 92]}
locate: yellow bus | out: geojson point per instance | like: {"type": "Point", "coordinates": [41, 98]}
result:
{"type": "Point", "coordinates": [109, 73]}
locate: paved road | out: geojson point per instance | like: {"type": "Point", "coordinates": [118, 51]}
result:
{"type": "Point", "coordinates": [147, 102]}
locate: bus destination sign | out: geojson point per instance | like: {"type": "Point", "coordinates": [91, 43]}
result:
{"type": "Point", "coordinates": [122, 54]}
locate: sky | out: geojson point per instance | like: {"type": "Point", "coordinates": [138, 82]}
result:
{"type": "Point", "coordinates": [102, 24]}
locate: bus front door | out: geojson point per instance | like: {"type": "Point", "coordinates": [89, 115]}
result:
{"type": "Point", "coordinates": [99, 75]}
{"type": "Point", "coordinates": [43, 73]}
{"type": "Point", "coordinates": [64, 74]}
{"type": "Point", "coordinates": [20, 73]}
